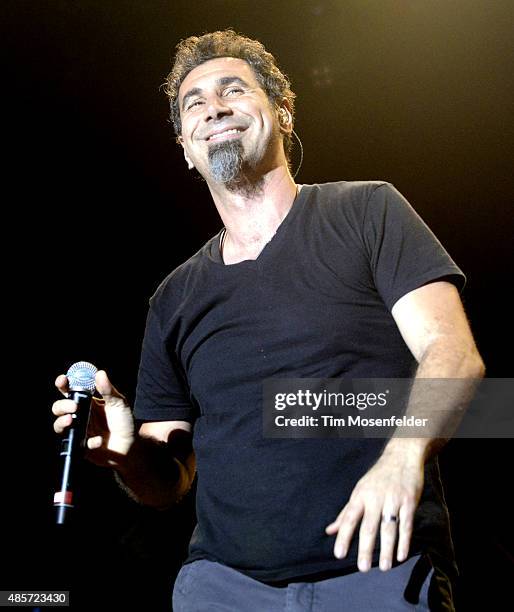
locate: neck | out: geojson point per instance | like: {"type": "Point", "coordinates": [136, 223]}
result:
{"type": "Point", "coordinates": [252, 215]}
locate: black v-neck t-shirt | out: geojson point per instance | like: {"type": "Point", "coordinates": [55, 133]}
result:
{"type": "Point", "coordinates": [316, 303]}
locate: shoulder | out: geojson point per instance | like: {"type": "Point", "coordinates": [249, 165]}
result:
{"type": "Point", "coordinates": [348, 197]}
{"type": "Point", "coordinates": [345, 203]}
{"type": "Point", "coordinates": [348, 189]}
{"type": "Point", "coordinates": [363, 202]}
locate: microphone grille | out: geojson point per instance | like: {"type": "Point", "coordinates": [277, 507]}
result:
{"type": "Point", "coordinates": [81, 376]}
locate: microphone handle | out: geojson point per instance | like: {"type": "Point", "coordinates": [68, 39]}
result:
{"type": "Point", "coordinates": [72, 447]}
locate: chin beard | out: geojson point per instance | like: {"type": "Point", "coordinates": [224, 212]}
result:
{"type": "Point", "coordinates": [226, 161]}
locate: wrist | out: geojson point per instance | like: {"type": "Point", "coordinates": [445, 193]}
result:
{"type": "Point", "coordinates": [146, 458]}
{"type": "Point", "coordinates": [407, 449]}
{"type": "Point", "coordinates": [150, 474]}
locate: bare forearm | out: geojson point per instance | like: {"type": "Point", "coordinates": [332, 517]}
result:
{"type": "Point", "coordinates": [453, 375]}
{"type": "Point", "coordinates": [152, 475]}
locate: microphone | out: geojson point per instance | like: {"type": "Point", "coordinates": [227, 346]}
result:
{"type": "Point", "coordinates": [81, 378]}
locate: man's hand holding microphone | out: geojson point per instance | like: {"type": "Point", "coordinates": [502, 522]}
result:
{"type": "Point", "coordinates": [110, 430]}
{"type": "Point", "coordinates": [154, 466]}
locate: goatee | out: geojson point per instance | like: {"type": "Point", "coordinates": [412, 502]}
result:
{"type": "Point", "coordinates": [226, 160]}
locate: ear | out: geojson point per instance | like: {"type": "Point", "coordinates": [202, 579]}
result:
{"type": "Point", "coordinates": [190, 164]}
{"type": "Point", "coordinates": [285, 117]}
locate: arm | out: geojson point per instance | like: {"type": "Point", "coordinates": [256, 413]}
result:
{"type": "Point", "coordinates": [433, 324]}
{"type": "Point", "coordinates": [159, 468]}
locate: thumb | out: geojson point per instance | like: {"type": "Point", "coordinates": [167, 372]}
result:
{"type": "Point", "coordinates": [106, 388]}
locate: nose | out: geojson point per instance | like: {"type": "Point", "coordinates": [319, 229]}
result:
{"type": "Point", "coordinates": [216, 108]}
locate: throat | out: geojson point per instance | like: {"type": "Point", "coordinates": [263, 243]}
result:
{"type": "Point", "coordinates": [231, 254]}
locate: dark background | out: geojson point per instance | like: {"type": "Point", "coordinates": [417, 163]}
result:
{"type": "Point", "coordinates": [100, 206]}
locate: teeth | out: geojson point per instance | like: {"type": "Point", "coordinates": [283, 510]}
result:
{"type": "Point", "coordinates": [233, 131]}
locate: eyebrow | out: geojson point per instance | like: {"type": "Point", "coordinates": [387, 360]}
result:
{"type": "Point", "coordinates": [221, 82]}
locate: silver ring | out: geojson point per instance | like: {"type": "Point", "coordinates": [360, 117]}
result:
{"type": "Point", "coordinates": [389, 518]}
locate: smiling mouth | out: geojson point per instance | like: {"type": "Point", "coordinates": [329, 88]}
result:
{"type": "Point", "coordinates": [232, 133]}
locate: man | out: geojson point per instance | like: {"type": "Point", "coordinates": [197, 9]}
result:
{"type": "Point", "coordinates": [336, 280]}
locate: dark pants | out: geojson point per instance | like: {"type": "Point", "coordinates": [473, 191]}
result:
{"type": "Point", "coordinates": [415, 584]}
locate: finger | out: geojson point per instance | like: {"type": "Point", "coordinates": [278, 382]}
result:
{"type": "Point", "coordinates": [61, 382]}
{"type": "Point", "coordinates": [106, 388]}
{"type": "Point", "coordinates": [94, 442]}
{"type": "Point", "coordinates": [405, 530]}
{"type": "Point", "coordinates": [61, 407]}
{"type": "Point", "coordinates": [367, 537]}
{"type": "Point", "coordinates": [351, 517]}
{"type": "Point", "coordinates": [388, 533]}
{"type": "Point", "coordinates": [333, 527]}
{"type": "Point", "coordinates": [62, 423]}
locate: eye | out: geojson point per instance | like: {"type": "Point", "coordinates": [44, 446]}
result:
{"type": "Point", "coordinates": [232, 90]}
{"type": "Point", "coordinates": [193, 104]}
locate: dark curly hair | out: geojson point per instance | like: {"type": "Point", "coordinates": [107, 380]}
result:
{"type": "Point", "coordinates": [195, 50]}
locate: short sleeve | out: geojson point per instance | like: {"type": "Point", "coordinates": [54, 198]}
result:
{"type": "Point", "coordinates": [162, 392]}
{"type": "Point", "coordinates": [404, 252]}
